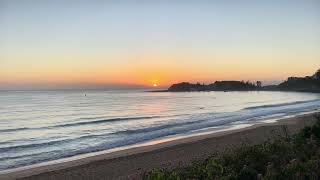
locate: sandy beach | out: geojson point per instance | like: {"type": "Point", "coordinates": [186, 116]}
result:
{"type": "Point", "coordinates": [132, 163]}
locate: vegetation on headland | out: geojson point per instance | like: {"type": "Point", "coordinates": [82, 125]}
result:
{"type": "Point", "coordinates": [308, 84]}
{"type": "Point", "coordinates": [216, 86]}
{"type": "Point", "coordinates": [285, 157]}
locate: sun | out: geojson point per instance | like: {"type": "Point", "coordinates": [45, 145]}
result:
{"type": "Point", "coordinates": [155, 85]}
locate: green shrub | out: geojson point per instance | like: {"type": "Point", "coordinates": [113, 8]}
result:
{"type": "Point", "coordinates": [295, 157]}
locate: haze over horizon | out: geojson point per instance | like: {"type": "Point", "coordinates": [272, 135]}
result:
{"type": "Point", "coordinates": [59, 44]}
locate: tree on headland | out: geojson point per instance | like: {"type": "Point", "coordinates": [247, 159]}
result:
{"type": "Point", "coordinates": [317, 75]}
{"type": "Point", "coordinates": [259, 84]}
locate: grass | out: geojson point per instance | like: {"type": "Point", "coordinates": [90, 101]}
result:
{"type": "Point", "coordinates": [287, 157]}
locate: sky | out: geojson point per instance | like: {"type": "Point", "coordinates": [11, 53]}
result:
{"type": "Point", "coordinates": [56, 43]}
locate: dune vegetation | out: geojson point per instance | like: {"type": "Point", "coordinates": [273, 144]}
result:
{"type": "Point", "coordinates": [284, 157]}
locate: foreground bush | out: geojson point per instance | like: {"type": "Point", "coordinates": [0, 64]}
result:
{"type": "Point", "coordinates": [295, 157]}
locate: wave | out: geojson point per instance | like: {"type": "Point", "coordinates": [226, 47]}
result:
{"type": "Point", "coordinates": [128, 132]}
{"type": "Point", "coordinates": [198, 121]}
{"type": "Point", "coordinates": [281, 104]}
{"type": "Point", "coordinates": [14, 129]}
{"type": "Point", "coordinates": [103, 121]}
{"type": "Point", "coordinates": [19, 147]}
{"type": "Point", "coordinates": [82, 123]}
{"type": "Point", "coordinates": [154, 128]}
{"type": "Point", "coordinates": [49, 143]}
{"type": "Point", "coordinates": [22, 156]}
{"type": "Point", "coordinates": [132, 136]}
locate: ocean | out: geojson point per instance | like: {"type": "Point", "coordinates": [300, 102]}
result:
{"type": "Point", "coordinates": [40, 126]}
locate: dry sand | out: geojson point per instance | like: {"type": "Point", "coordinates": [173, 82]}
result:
{"type": "Point", "coordinates": [131, 163]}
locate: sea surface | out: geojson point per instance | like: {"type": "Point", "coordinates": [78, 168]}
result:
{"type": "Point", "coordinates": [39, 126]}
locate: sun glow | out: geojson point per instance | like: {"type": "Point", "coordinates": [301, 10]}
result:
{"type": "Point", "coordinates": [155, 85]}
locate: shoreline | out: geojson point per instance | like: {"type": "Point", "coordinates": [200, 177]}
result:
{"type": "Point", "coordinates": [171, 153]}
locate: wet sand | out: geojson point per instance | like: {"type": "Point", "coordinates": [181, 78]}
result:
{"type": "Point", "coordinates": [132, 163]}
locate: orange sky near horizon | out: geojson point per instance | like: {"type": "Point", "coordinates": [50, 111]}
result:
{"type": "Point", "coordinates": [157, 69]}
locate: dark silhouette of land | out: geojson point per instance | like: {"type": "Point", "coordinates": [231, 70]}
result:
{"type": "Point", "coordinates": [308, 83]}
{"type": "Point", "coordinates": [216, 86]}
{"type": "Point", "coordinates": [303, 84]}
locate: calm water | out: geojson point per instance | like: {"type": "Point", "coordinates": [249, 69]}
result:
{"type": "Point", "coordinates": [38, 126]}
